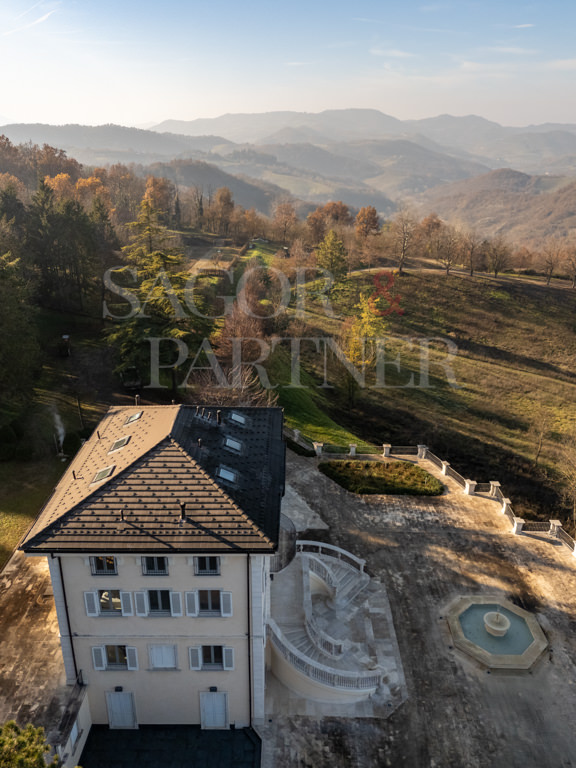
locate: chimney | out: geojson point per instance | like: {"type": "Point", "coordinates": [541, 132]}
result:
{"type": "Point", "coordinates": [137, 399]}
{"type": "Point", "coordinates": [98, 435]}
{"type": "Point", "coordinates": [199, 442]}
{"type": "Point", "coordinates": [122, 515]}
{"type": "Point", "coordinates": [218, 417]}
{"type": "Point", "coordinates": [197, 410]}
{"type": "Point", "coordinates": [182, 511]}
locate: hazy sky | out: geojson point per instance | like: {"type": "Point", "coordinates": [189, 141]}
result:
{"type": "Point", "coordinates": [121, 61]}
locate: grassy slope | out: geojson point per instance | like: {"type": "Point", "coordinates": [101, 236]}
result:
{"type": "Point", "coordinates": [516, 359]}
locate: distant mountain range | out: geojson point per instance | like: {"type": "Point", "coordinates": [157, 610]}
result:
{"type": "Point", "coordinates": [363, 157]}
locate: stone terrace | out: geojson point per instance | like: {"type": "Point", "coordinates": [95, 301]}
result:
{"type": "Point", "coordinates": [426, 552]}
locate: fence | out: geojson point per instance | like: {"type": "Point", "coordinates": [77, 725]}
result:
{"type": "Point", "coordinates": [486, 488]}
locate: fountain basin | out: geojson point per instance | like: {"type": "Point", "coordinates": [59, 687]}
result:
{"type": "Point", "coordinates": [496, 624]}
{"type": "Point", "coordinates": [518, 647]}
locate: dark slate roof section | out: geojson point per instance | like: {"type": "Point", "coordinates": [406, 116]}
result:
{"type": "Point", "coordinates": [258, 465]}
{"type": "Point", "coordinates": [139, 508]}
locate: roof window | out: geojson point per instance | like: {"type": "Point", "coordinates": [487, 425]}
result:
{"type": "Point", "coordinates": [235, 445]}
{"type": "Point", "coordinates": [102, 474]}
{"type": "Point", "coordinates": [237, 417]}
{"type": "Point", "coordinates": [133, 417]}
{"type": "Point", "coordinates": [224, 473]}
{"type": "Point", "coordinates": [120, 443]}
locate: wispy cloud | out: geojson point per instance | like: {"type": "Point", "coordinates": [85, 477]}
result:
{"type": "Point", "coordinates": [25, 13]}
{"type": "Point", "coordinates": [297, 63]}
{"type": "Point", "coordinates": [392, 53]}
{"type": "Point", "coordinates": [523, 26]}
{"type": "Point", "coordinates": [565, 65]}
{"type": "Point", "coordinates": [35, 23]}
{"type": "Point", "coordinates": [512, 50]}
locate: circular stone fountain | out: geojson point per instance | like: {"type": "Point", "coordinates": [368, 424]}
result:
{"type": "Point", "coordinates": [495, 632]}
{"type": "Point", "coordinates": [496, 623]}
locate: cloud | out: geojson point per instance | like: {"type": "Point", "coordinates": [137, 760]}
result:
{"type": "Point", "coordinates": [29, 26]}
{"type": "Point", "coordinates": [523, 26]}
{"type": "Point", "coordinates": [515, 51]}
{"type": "Point", "coordinates": [297, 63]}
{"type": "Point", "coordinates": [392, 53]}
{"type": "Point", "coordinates": [563, 65]}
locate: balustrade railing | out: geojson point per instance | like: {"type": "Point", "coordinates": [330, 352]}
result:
{"type": "Point", "coordinates": [321, 672]}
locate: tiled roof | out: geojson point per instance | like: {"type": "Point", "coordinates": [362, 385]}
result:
{"type": "Point", "coordinates": [164, 492]}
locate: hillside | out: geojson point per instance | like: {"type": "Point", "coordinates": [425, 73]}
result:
{"type": "Point", "coordinates": [523, 208]}
{"type": "Point", "coordinates": [513, 365]}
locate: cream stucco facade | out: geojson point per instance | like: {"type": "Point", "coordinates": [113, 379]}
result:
{"type": "Point", "coordinates": [162, 672]}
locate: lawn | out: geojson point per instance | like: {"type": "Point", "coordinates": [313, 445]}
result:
{"type": "Point", "coordinates": [24, 488]}
{"type": "Point", "coordinates": [394, 477]}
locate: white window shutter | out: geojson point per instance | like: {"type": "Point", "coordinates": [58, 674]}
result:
{"type": "Point", "coordinates": [126, 603]}
{"type": "Point", "coordinates": [195, 657]}
{"type": "Point", "coordinates": [228, 658]}
{"type": "Point", "coordinates": [191, 603]}
{"type": "Point", "coordinates": [91, 603]}
{"type": "Point", "coordinates": [141, 602]}
{"type": "Point", "coordinates": [87, 561]}
{"type": "Point", "coordinates": [226, 603]}
{"type": "Point", "coordinates": [190, 560]}
{"type": "Point", "coordinates": [99, 657]}
{"type": "Point", "coordinates": [176, 603]}
{"type": "Point", "coordinates": [131, 657]}
{"type": "Point", "coordinates": [139, 560]}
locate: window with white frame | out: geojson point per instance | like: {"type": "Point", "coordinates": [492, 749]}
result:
{"type": "Point", "coordinates": [163, 656]}
{"type": "Point", "coordinates": [120, 443]}
{"type": "Point", "coordinates": [103, 566]}
{"type": "Point", "coordinates": [114, 657]}
{"type": "Point", "coordinates": [158, 602]}
{"type": "Point", "coordinates": [207, 565]}
{"type": "Point", "coordinates": [108, 602]}
{"type": "Point", "coordinates": [208, 602]}
{"type": "Point", "coordinates": [155, 566]}
{"type": "Point", "coordinates": [211, 657]}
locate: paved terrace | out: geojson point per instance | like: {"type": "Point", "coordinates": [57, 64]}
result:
{"type": "Point", "coordinates": [426, 552]}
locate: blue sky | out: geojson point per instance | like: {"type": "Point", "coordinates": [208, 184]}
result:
{"type": "Point", "coordinates": [138, 63]}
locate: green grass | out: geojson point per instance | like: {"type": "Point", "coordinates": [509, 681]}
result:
{"type": "Point", "coordinates": [24, 487]}
{"type": "Point", "coordinates": [305, 407]}
{"type": "Point", "coordinates": [394, 477]}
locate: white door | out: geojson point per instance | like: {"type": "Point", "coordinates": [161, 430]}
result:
{"type": "Point", "coordinates": [214, 710]}
{"type": "Point", "coordinates": [121, 710]}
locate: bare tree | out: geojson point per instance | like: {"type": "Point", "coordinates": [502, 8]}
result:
{"type": "Point", "coordinates": [402, 236]}
{"type": "Point", "coordinates": [471, 249]}
{"type": "Point", "coordinates": [552, 256]}
{"type": "Point", "coordinates": [570, 262]}
{"type": "Point", "coordinates": [444, 247]}
{"type": "Point", "coordinates": [498, 255]}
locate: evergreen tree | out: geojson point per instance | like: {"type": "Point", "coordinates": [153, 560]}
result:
{"type": "Point", "coordinates": [331, 255]}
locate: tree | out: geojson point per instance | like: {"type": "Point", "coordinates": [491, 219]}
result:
{"type": "Point", "coordinates": [552, 256]}
{"type": "Point", "coordinates": [444, 247]}
{"type": "Point", "coordinates": [570, 262]}
{"type": "Point", "coordinates": [358, 340]}
{"type": "Point", "coordinates": [366, 223]}
{"type": "Point", "coordinates": [284, 220]}
{"type": "Point", "coordinates": [160, 193]}
{"type": "Point", "coordinates": [471, 250]}
{"type": "Point", "coordinates": [23, 747]}
{"type": "Point", "coordinates": [402, 236]}
{"type": "Point", "coordinates": [19, 351]}
{"type": "Point", "coordinates": [331, 255]}
{"type": "Point", "coordinates": [498, 254]}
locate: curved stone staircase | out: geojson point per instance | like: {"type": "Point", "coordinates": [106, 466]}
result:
{"type": "Point", "coordinates": [331, 631]}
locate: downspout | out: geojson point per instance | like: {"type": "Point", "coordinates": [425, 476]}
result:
{"type": "Point", "coordinates": [248, 586]}
{"type": "Point", "coordinates": [67, 614]}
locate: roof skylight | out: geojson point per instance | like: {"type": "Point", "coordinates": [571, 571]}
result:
{"type": "Point", "coordinates": [133, 417]}
{"type": "Point", "coordinates": [120, 443]}
{"type": "Point", "coordinates": [226, 474]}
{"type": "Point", "coordinates": [102, 474]}
{"type": "Point", "coordinates": [235, 445]}
{"type": "Point", "coordinates": [237, 417]}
